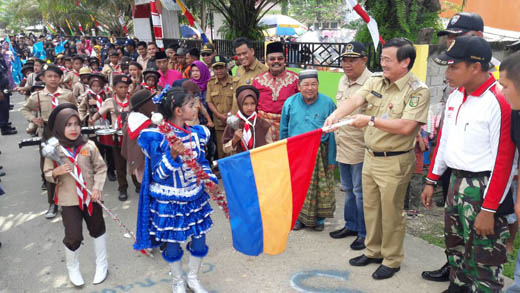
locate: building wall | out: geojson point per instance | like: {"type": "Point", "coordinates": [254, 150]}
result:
{"type": "Point", "coordinates": [502, 14]}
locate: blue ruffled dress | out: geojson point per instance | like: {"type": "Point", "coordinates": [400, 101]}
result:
{"type": "Point", "coordinates": [172, 206]}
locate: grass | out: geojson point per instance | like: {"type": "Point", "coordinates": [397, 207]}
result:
{"type": "Point", "coordinates": [436, 238]}
{"type": "Point", "coordinates": [328, 82]}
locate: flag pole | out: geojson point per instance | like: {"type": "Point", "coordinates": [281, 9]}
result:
{"type": "Point", "coordinates": [337, 125]}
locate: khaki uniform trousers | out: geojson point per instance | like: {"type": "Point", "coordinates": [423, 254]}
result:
{"type": "Point", "coordinates": [385, 180]}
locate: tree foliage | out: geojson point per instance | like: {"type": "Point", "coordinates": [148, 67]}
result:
{"type": "Point", "coordinates": [312, 11]}
{"type": "Point", "coordinates": [242, 16]}
{"type": "Point", "coordinates": [401, 18]}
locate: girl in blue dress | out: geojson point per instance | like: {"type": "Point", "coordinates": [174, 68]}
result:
{"type": "Point", "coordinates": [173, 207]}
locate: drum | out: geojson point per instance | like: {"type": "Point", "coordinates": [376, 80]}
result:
{"type": "Point", "coordinates": [106, 137]}
{"type": "Point", "coordinates": [88, 130]}
{"type": "Point", "coordinates": [119, 134]}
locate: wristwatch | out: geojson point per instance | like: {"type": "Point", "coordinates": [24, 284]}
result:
{"type": "Point", "coordinates": [371, 122]}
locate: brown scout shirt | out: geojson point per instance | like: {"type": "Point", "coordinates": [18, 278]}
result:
{"type": "Point", "coordinates": [350, 144]}
{"type": "Point", "coordinates": [245, 75]}
{"type": "Point", "coordinates": [78, 90]}
{"type": "Point", "coordinates": [407, 98]}
{"type": "Point", "coordinates": [93, 170]}
{"type": "Point", "coordinates": [220, 94]}
{"type": "Point", "coordinates": [111, 106]}
{"type": "Point", "coordinates": [70, 79]}
{"type": "Point", "coordinates": [32, 104]}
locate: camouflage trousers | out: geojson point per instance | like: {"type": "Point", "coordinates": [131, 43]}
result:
{"type": "Point", "coordinates": [476, 261]}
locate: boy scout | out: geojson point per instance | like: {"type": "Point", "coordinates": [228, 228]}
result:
{"type": "Point", "coordinates": [43, 102]}
{"type": "Point", "coordinates": [220, 98]}
{"type": "Point", "coordinates": [397, 106]}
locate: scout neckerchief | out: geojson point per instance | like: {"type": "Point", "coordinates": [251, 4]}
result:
{"type": "Point", "coordinates": [248, 135]}
{"type": "Point", "coordinates": [54, 100]}
{"type": "Point", "coordinates": [99, 98]}
{"type": "Point", "coordinates": [83, 196]}
{"type": "Point", "coordinates": [115, 68]}
{"type": "Point", "coordinates": [149, 88]}
{"type": "Point", "coordinates": [122, 106]}
{"type": "Point", "coordinates": [75, 73]}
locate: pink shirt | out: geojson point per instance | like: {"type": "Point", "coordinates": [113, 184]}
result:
{"type": "Point", "coordinates": [168, 78]}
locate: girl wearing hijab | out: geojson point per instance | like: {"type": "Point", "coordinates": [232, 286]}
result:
{"type": "Point", "coordinates": [252, 131]}
{"type": "Point", "coordinates": [82, 158]}
{"type": "Point", "coordinates": [200, 75]}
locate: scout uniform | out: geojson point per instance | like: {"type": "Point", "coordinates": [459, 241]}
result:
{"type": "Point", "coordinates": [43, 102]}
{"type": "Point", "coordinates": [389, 162]}
{"type": "Point", "coordinates": [80, 88]}
{"type": "Point", "coordinates": [109, 70]}
{"type": "Point", "coordinates": [245, 76]}
{"type": "Point", "coordinates": [220, 93]}
{"type": "Point", "coordinates": [72, 77]}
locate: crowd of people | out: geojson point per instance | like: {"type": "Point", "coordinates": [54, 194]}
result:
{"type": "Point", "coordinates": [97, 100]}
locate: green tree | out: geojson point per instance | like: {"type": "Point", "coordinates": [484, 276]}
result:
{"type": "Point", "coordinates": [242, 16]}
{"type": "Point", "coordinates": [401, 18]}
{"type": "Point", "coordinates": [313, 11]}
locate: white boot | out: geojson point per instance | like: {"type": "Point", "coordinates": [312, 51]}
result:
{"type": "Point", "coordinates": [178, 283]}
{"type": "Point", "coordinates": [193, 280]}
{"type": "Point", "coordinates": [100, 247]}
{"type": "Point", "coordinates": [72, 259]}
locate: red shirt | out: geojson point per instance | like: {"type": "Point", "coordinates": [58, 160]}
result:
{"type": "Point", "coordinates": [275, 90]}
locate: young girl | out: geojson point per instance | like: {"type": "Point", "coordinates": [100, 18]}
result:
{"type": "Point", "coordinates": [173, 206]}
{"type": "Point", "coordinates": [82, 158]}
{"type": "Point", "coordinates": [252, 131]}
{"type": "Point", "coordinates": [151, 77]}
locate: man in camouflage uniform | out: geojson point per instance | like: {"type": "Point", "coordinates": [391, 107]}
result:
{"type": "Point", "coordinates": [475, 143]}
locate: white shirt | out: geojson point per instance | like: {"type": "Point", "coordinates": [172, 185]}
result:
{"type": "Point", "coordinates": [476, 137]}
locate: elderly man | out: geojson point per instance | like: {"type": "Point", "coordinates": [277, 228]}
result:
{"type": "Point", "coordinates": [397, 106]}
{"type": "Point", "coordinates": [303, 112]}
{"type": "Point", "coordinates": [351, 145]}
{"type": "Point", "coordinates": [475, 143]}
{"type": "Point", "coordinates": [275, 86]}
{"type": "Point", "coordinates": [249, 67]}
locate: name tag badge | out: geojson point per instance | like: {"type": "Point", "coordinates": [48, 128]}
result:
{"type": "Point", "coordinates": [376, 94]}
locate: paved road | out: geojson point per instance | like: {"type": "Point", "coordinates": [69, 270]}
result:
{"type": "Point", "coordinates": [32, 255]}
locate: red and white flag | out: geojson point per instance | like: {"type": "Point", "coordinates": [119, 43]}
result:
{"type": "Point", "coordinates": [157, 24]}
{"type": "Point", "coordinates": [369, 20]}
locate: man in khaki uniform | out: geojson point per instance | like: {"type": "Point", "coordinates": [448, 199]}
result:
{"type": "Point", "coordinates": [220, 99]}
{"type": "Point", "coordinates": [350, 145]}
{"type": "Point", "coordinates": [249, 67]}
{"type": "Point", "coordinates": [397, 106]}
{"type": "Point", "coordinates": [43, 102]}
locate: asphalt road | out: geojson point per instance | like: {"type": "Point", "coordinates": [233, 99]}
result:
{"type": "Point", "coordinates": [32, 256]}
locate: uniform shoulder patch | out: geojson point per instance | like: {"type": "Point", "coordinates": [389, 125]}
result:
{"type": "Point", "coordinates": [416, 84]}
{"type": "Point", "coordinates": [414, 101]}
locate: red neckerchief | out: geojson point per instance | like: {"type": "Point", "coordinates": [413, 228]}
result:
{"type": "Point", "coordinates": [247, 134]}
{"type": "Point", "coordinates": [55, 102]}
{"type": "Point", "coordinates": [83, 197]}
{"type": "Point", "coordinates": [149, 88]}
{"type": "Point", "coordinates": [122, 105]}
{"type": "Point", "coordinates": [98, 96]}
{"type": "Point", "coordinates": [75, 73]}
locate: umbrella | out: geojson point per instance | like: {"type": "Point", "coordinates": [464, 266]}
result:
{"type": "Point", "coordinates": [188, 32]}
{"type": "Point", "coordinates": [282, 25]}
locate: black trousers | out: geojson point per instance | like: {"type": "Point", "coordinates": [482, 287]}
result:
{"type": "Point", "coordinates": [4, 111]}
{"type": "Point", "coordinates": [120, 164]}
{"type": "Point", "coordinates": [72, 217]}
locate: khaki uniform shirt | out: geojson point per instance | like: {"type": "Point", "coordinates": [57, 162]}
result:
{"type": "Point", "coordinates": [111, 106]}
{"type": "Point", "coordinates": [70, 79]}
{"type": "Point", "coordinates": [143, 61]}
{"type": "Point", "coordinates": [220, 93]}
{"type": "Point", "coordinates": [350, 143]}
{"type": "Point", "coordinates": [78, 90]}
{"type": "Point", "coordinates": [245, 75]}
{"type": "Point", "coordinates": [407, 98]}
{"type": "Point", "coordinates": [93, 170]}
{"type": "Point", "coordinates": [33, 106]}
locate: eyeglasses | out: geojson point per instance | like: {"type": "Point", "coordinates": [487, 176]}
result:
{"type": "Point", "coordinates": [206, 54]}
{"type": "Point", "coordinates": [280, 58]}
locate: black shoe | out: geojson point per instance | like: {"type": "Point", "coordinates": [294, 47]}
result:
{"type": "Point", "coordinates": [440, 275]}
{"type": "Point", "coordinates": [342, 233]}
{"type": "Point", "coordinates": [2, 173]}
{"type": "Point", "coordinates": [52, 211]}
{"type": "Point", "coordinates": [364, 260]}
{"type": "Point", "coordinates": [123, 196]}
{"type": "Point", "coordinates": [358, 244]}
{"type": "Point", "coordinates": [1, 167]}
{"type": "Point", "coordinates": [11, 107]}
{"type": "Point", "coordinates": [44, 186]}
{"type": "Point", "coordinates": [111, 175]}
{"type": "Point", "coordinates": [298, 226]}
{"type": "Point", "coordinates": [384, 272]}
{"type": "Point", "coordinates": [319, 227]}
{"type": "Point", "coordinates": [8, 131]}
{"type": "Point", "coordinates": [454, 288]}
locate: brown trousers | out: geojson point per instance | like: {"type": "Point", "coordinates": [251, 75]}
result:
{"type": "Point", "coordinates": [120, 164]}
{"type": "Point", "coordinates": [72, 221]}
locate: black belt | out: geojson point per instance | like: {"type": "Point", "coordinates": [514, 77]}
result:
{"type": "Point", "coordinates": [387, 154]}
{"type": "Point", "coordinates": [468, 174]}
